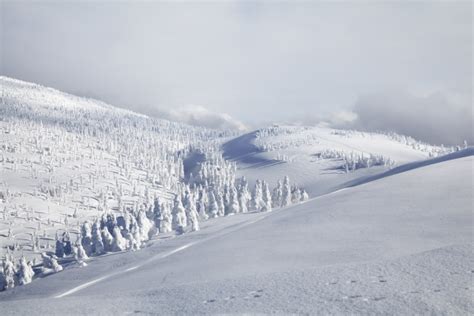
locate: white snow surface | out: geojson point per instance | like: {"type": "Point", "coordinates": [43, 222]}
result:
{"type": "Point", "coordinates": [379, 240]}
{"type": "Point", "coordinates": [401, 244]}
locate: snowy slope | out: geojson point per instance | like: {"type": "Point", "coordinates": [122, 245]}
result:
{"type": "Point", "coordinates": [65, 159]}
{"type": "Point", "coordinates": [401, 244]}
{"type": "Point", "coordinates": [305, 154]}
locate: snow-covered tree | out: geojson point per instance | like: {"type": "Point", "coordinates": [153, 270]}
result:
{"type": "Point", "coordinates": [220, 203]}
{"type": "Point", "coordinates": [119, 243]}
{"type": "Point", "coordinates": [144, 225]}
{"type": "Point", "coordinates": [9, 273]}
{"type": "Point", "coordinates": [277, 196]}
{"type": "Point", "coordinates": [234, 207]}
{"type": "Point", "coordinates": [166, 220]}
{"type": "Point", "coordinates": [267, 198]}
{"type": "Point", "coordinates": [107, 239]}
{"type": "Point", "coordinates": [295, 194]}
{"type": "Point", "coordinates": [157, 213]}
{"type": "Point", "coordinates": [86, 233]}
{"type": "Point", "coordinates": [213, 206]}
{"type": "Point", "coordinates": [244, 195]}
{"type": "Point", "coordinates": [191, 212]}
{"type": "Point", "coordinates": [50, 264]}
{"type": "Point", "coordinates": [304, 195]}
{"type": "Point", "coordinates": [98, 247]}
{"type": "Point", "coordinates": [25, 272]}
{"type": "Point", "coordinates": [286, 192]}
{"type": "Point", "coordinates": [179, 215]}
{"type": "Point", "coordinates": [257, 198]}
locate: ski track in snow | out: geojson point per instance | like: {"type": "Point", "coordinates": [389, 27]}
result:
{"type": "Point", "coordinates": [160, 256]}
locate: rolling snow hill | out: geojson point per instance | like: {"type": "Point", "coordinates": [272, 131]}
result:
{"type": "Point", "coordinates": [315, 157]}
{"type": "Point", "coordinates": [401, 244]}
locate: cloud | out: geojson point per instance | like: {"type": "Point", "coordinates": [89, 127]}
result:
{"type": "Point", "coordinates": [436, 118]}
{"type": "Point", "coordinates": [199, 115]}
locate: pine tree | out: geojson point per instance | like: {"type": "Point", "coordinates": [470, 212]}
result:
{"type": "Point", "coordinates": [257, 198]}
{"type": "Point", "coordinates": [234, 207]}
{"type": "Point", "coordinates": [25, 272]}
{"type": "Point", "coordinates": [286, 192]}
{"type": "Point", "coordinates": [304, 195]}
{"type": "Point", "coordinates": [166, 219]}
{"type": "Point", "coordinates": [98, 247]}
{"type": "Point", "coordinates": [86, 233]}
{"type": "Point", "coordinates": [107, 239]}
{"type": "Point", "coordinates": [277, 196]}
{"type": "Point", "coordinates": [50, 263]}
{"type": "Point", "coordinates": [220, 203]}
{"type": "Point", "coordinates": [144, 225]}
{"type": "Point", "coordinates": [191, 212]}
{"type": "Point", "coordinates": [179, 215]}
{"type": "Point", "coordinates": [213, 206]}
{"type": "Point", "coordinates": [295, 195]}
{"type": "Point", "coordinates": [157, 213]}
{"type": "Point", "coordinates": [201, 204]}
{"type": "Point", "coordinates": [9, 272]}
{"type": "Point", "coordinates": [119, 243]}
{"type": "Point", "coordinates": [267, 198]}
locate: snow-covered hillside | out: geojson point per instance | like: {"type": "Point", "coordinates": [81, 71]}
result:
{"type": "Point", "coordinates": [321, 159]}
{"type": "Point", "coordinates": [135, 214]}
{"type": "Point", "coordinates": [66, 159]}
{"type": "Point", "coordinates": [398, 245]}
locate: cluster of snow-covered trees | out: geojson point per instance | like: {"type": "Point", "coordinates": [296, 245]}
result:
{"type": "Point", "coordinates": [267, 139]}
{"type": "Point", "coordinates": [15, 273]}
{"type": "Point", "coordinates": [353, 161]}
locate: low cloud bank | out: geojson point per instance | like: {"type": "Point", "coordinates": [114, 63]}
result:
{"type": "Point", "coordinates": [435, 118]}
{"type": "Point", "coordinates": [198, 115]}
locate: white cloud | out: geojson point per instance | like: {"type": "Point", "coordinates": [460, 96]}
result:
{"type": "Point", "coordinates": [436, 118]}
{"type": "Point", "coordinates": [199, 115]}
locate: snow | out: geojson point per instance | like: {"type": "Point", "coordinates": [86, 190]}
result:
{"type": "Point", "coordinates": [396, 245]}
{"type": "Point", "coordinates": [395, 238]}
{"type": "Point", "coordinates": [274, 152]}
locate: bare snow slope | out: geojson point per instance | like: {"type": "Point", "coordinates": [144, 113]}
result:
{"type": "Point", "coordinates": [398, 245]}
{"type": "Point", "coordinates": [304, 154]}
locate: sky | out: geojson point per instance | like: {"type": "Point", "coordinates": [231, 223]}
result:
{"type": "Point", "coordinates": [253, 63]}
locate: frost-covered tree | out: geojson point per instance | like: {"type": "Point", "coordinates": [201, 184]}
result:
{"type": "Point", "coordinates": [157, 213]}
{"type": "Point", "coordinates": [234, 207]}
{"type": "Point", "coordinates": [257, 198]}
{"type": "Point", "coordinates": [63, 245]}
{"type": "Point", "coordinates": [304, 195]}
{"type": "Point", "coordinates": [220, 203]}
{"type": "Point", "coordinates": [166, 220]}
{"type": "Point", "coordinates": [213, 206]}
{"type": "Point", "coordinates": [107, 239]}
{"type": "Point", "coordinates": [179, 215]}
{"type": "Point", "coordinates": [267, 198]}
{"type": "Point", "coordinates": [244, 195]}
{"type": "Point", "coordinates": [25, 272]}
{"type": "Point", "coordinates": [98, 247]}
{"type": "Point", "coordinates": [119, 243]}
{"type": "Point", "coordinates": [277, 195]}
{"type": "Point", "coordinates": [144, 225]}
{"type": "Point", "coordinates": [86, 240]}
{"type": "Point", "coordinates": [50, 264]}
{"type": "Point", "coordinates": [286, 192]}
{"type": "Point", "coordinates": [191, 212]}
{"type": "Point", "coordinates": [201, 204]}
{"type": "Point", "coordinates": [295, 194]}
{"type": "Point", "coordinates": [9, 273]}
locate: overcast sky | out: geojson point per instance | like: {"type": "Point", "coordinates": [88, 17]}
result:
{"type": "Point", "coordinates": [258, 62]}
